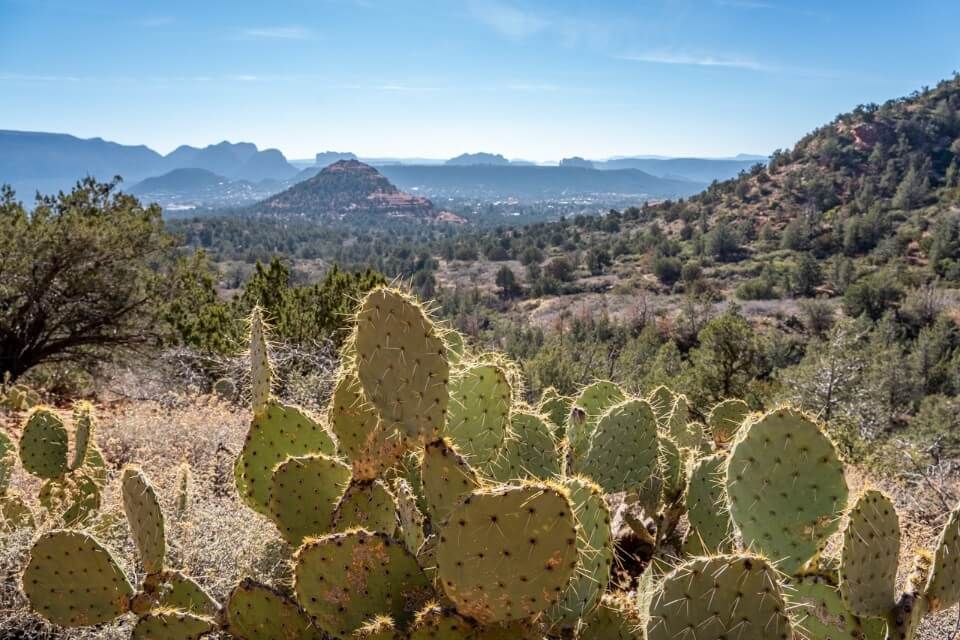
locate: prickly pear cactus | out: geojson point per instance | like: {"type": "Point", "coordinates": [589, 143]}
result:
{"type": "Point", "coordinates": [304, 492]}
{"type": "Point", "coordinates": [380, 628]}
{"type": "Point", "coordinates": [529, 450]}
{"type": "Point", "coordinates": [70, 500]}
{"type": "Point", "coordinates": [507, 553]}
{"type": "Point", "coordinates": [410, 518]}
{"type": "Point", "coordinates": [446, 478]}
{"type": "Point", "coordinates": [556, 407]}
{"type": "Point", "coordinates": [345, 579]}
{"type": "Point", "coordinates": [184, 486]}
{"type": "Point", "coordinates": [871, 551]}
{"type": "Point", "coordinates": [261, 371]}
{"type": "Point", "coordinates": [688, 435]}
{"type": "Point", "coordinates": [725, 419]}
{"type": "Point", "coordinates": [615, 619]}
{"type": "Point", "coordinates": [710, 528]}
{"type": "Point", "coordinates": [43, 445]}
{"type": "Point", "coordinates": [257, 612]}
{"type": "Point", "coordinates": [623, 450]}
{"type": "Point", "coordinates": [172, 625]}
{"type": "Point", "coordinates": [402, 363]}
{"type": "Point", "coordinates": [15, 513]}
{"type": "Point", "coordinates": [662, 399]}
{"type": "Point", "coordinates": [371, 444]}
{"type": "Point", "coordinates": [785, 487]}
{"type": "Point", "coordinates": [8, 459]}
{"type": "Point", "coordinates": [718, 598]}
{"type": "Point", "coordinates": [277, 432]}
{"type": "Point", "coordinates": [479, 413]}
{"type": "Point", "coordinates": [366, 504]}
{"type": "Point", "coordinates": [593, 402]}
{"type": "Point", "coordinates": [672, 470]}
{"type": "Point", "coordinates": [943, 588]}
{"type": "Point", "coordinates": [433, 622]}
{"type": "Point", "coordinates": [83, 433]}
{"type": "Point", "coordinates": [172, 590]}
{"type": "Point", "coordinates": [92, 591]}
{"type": "Point", "coordinates": [143, 512]}
{"type": "Point", "coordinates": [818, 611]}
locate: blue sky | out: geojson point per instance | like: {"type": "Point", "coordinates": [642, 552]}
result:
{"type": "Point", "coordinates": [536, 80]}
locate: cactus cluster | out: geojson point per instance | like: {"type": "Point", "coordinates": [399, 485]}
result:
{"type": "Point", "coordinates": [431, 502]}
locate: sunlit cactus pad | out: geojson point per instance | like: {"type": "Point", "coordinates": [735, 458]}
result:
{"type": "Point", "coordinates": [871, 551]}
{"type": "Point", "coordinates": [304, 493]}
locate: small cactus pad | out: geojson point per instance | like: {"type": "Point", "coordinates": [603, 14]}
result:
{"type": "Point", "coordinates": [479, 413]}
{"type": "Point", "coordinates": [507, 553]}
{"type": "Point", "coordinates": [410, 517]}
{"type": "Point", "coordinates": [687, 434]}
{"type": "Point", "coordinates": [594, 555]}
{"type": "Point", "coordinates": [95, 466]}
{"type": "Point", "coordinates": [402, 363]}
{"type": "Point", "coordinates": [710, 528]}
{"type": "Point", "coordinates": [529, 450]}
{"type": "Point", "coordinates": [446, 478]}
{"type": "Point", "coordinates": [719, 598]}
{"type": "Point", "coordinates": [344, 579]}
{"type": "Point", "coordinates": [182, 500]}
{"type": "Point", "coordinates": [83, 432]}
{"type": "Point", "coordinates": [43, 445]}
{"type": "Point", "coordinates": [871, 549]}
{"type": "Point", "coordinates": [145, 517]}
{"type": "Point", "coordinates": [261, 372]}
{"type": "Point", "coordinates": [785, 487]}
{"type": "Point", "coordinates": [456, 345]}
{"type": "Point", "coordinates": [366, 504]}
{"type": "Point", "coordinates": [71, 499]}
{"type": "Point", "coordinates": [592, 402]}
{"type": "Point", "coordinates": [818, 612]}
{"type": "Point", "coordinates": [371, 444]}
{"type": "Point", "coordinates": [168, 624]}
{"type": "Point", "coordinates": [379, 628]}
{"type": "Point", "coordinates": [225, 389]}
{"type": "Point", "coordinates": [8, 455]}
{"type": "Point", "coordinates": [725, 419]}
{"type": "Point", "coordinates": [72, 581]}
{"type": "Point", "coordinates": [15, 513]}
{"type": "Point", "coordinates": [623, 449]}
{"type": "Point", "coordinates": [304, 493]}
{"type": "Point", "coordinates": [943, 589]}
{"type": "Point", "coordinates": [673, 472]}
{"type": "Point", "coordinates": [614, 619]}
{"type": "Point", "coordinates": [276, 433]}
{"type": "Point", "coordinates": [173, 590]}
{"type": "Point", "coordinates": [556, 408]}
{"type": "Point", "coordinates": [256, 612]}
{"type": "Point", "coordinates": [662, 399]}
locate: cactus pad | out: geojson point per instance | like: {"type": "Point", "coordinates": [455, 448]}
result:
{"type": "Point", "coordinates": [172, 625]}
{"type": "Point", "coordinates": [173, 590]}
{"type": "Point", "coordinates": [43, 444]}
{"type": "Point", "coordinates": [366, 504]}
{"type": "Point", "coordinates": [943, 588]}
{"type": "Point", "coordinates": [409, 515]}
{"type": "Point", "coordinates": [677, 424]}
{"type": "Point", "coordinates": [785, 487]}
{"type": "Point", "coordinates": [14, 512]}
{"type": "Point", "coordinates": [257, 612]}
{"type": "Point", "coordinates": [145, 517]}
{"type": "Point", "coordinates": [673, 472]}
{"type": "Point", "coordinates": [71, 499]}
{"type": "Point", "coordinates": [529, 450]}
{"type": "Point", "coordinates": [871, 549]}
{"type": "Point", "coordinates": [725, 419]}
{"type": "Point", "coordinates": [556, 407]}
{"type": "Point", "coordinates": [614, 619]}
{"type": "Point", "coordinates": [371, 444]}
{"type": "Point", "coordinates": [818, 611]}
{"type": "Point", "coordinates": [720, 598]}
{"type": "Point", "coordinates": [380, 628]}
{"type": "Point", "coordinates": [710, 528]}
{"type": "Point", "coordinates": [593, 402]}
{"type": "Point", "coordinates": [261, 372]}
{"type": "Point", "coordinates": [83, 433]}
{"type": "Point", "coordinates": [344, 579]}
{"type": "Point", "coordinates": [72, 581]}
{"type": "Point", "coordinates": [507, 553]}
{"type": "Point", "coordinates": [623, 449]}
{"type": "Point", "coordinates": [662, 399]}
{"type": "Point", "coordinates": [479, 413]}
{"type": "Point", "coordinates": [276, 433]}
{"type": "Point", "coordinates": [436, 623]}
{"type": "Point", "coordinates": [446, 478]}
{"type": "Point", "coordinates": [95, 466]}
{"type": "Point", "coordinates": [8, 455]}
{"type": "Point", "coordinates": [304, 493]}
{"type": "Point", "coordinates": [402, 363]}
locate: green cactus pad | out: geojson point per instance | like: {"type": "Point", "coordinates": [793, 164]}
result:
{"type": "Point", "coordinates": [710, 528]}
{"type": "Point", "coordinates": [786, 488]}
{"type": "Point", "coordinates": [95, 466]}
{"type": "Point", "coordinates": [173, 590]}
{"type": "Point", "coordinates": [145, 517]}
{"type": "Point", "coordinates": [871, 550]}
{"type": "Point", "coordinates": [529, 450]}
{"type": "Point", "coordinates": [662, 399]}
{"type": "Point", "coordinates": [614, 619]}
{"type": "Point", "coordinates": [184, 483]}
{"type": "Point", "coordinates": [556, 407]}
{"type": "Point", "coordinates": [172, 625]}
{"type": "Point", "coordinates": [410, 518]}
{"type": "Point", "coordinates": [380, 628]}
{"type": "Point", "coordinates": [43, 444]}
{"type": "Point", "coordinates": [261, 372]}
{"type": "Point", "coordinates": [15, 513]}
{"type": "Point", "coordinates": [623, 453]}
{"type": "Point", "coordinates": [456, 346]}
{"type": "Point", "coordinates": [366, 504]}
{"type": "Point", "coordinates": [371, 444]}
{"type": "Point", "coordinates": [687, 434]}
{"type": "Point", "coordinates": [725, 419]}
{"type": "Point", "coordinates": [402, 363]}
{"type": "Point", "coordinates": [479, 413]}
{"type": "Point", "coordinates": [445, 478]}
{"type": "Point", "coordinates": [71, 499]}
{"type": "Point", "coordinates": [720, 598]}
{"type": "Point", "coordinates": [276, 433]}
{"type": "Point", "coordinates": [594, 555]}
{"type": "Point", "coordinates": [436, 623]}
{"type": "Point", "coordinates": [593, 402]}
{"type": "Point", "coordinates": [507, 553]}
{"type": "Point", "coordinates": [83, 433]}
{"type": "Point", "coordinates": [72, 581]}
{"type": "Point", "coordinates": [673, 472]}
{"type": "Point", "coordinates": [943, 588]}
{"type": "Point", "coordinates": [8, 460]}
{"type": "Point", "coordinates": [427, 555]}
{"type": "Point", "coordinates": [818, 611]}
{"type": "Point", "coordinates": [256, 612]}
{"type": "Point", "coordinates": [344, 579]}
{"type": "Point", "coordinates": [304, 493]}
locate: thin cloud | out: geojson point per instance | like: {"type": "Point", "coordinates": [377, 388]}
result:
{"type": "Point", "coordinates": [699, 61]}
{"type": "Point", "coordinates": [507, 20]}
{"type": "Point", "coordinates": [278, 33]}
{"type": "Point", "coordinates": [157, 21]}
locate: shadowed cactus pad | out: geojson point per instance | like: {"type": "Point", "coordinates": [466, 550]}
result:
{"type": "Point", "coordinates": [304, 493]}
{"type": "Point", "coordinates": [402, 363]}
{"type": "Point", "coordinates": [172, 625]}
{"type": "Point", "coordinates": [345, 579]}
{"type": "Point", "coordinates": [710, 528]}
{"type": "Point", "coordinates": [507, 553]}
{"type": "Point", "coordinates": [436, 623]}
{"type": "Point", "coordinates": [371, 444]}
{"type": "Point", "coordinates": [819, 613]}
{"type": "Point", "coordinates": [257, 612]}
{"type": "Point", "coordinates": [174, 591]}
{"type": "Point", "coordinates": [8, 455]}
{"type": "Point", "coordinates": [593, 402]}
{"type": "Point", "coordinates": [71, 499]}
{"type": "Point", "coordinates": [720, 598]}
{"type": "Point", "coordinates": [409, 517]}
{"type": "Point", "coordinates": [672, 470]}
{"type": "Point", "coordinates": [943, 587]}
{"type": "Point", "coordinates": [786, 488]}
{"type": "Point", "coordinates": [871, 549]}
{"type": "Point", "coordinates": [43, 445]}
{"type": "Point", "coordinates": [366, 505]}
{"type": "Point", "coordinates": [479, 413]}
{"type": "Point", "coordinates": [14, 512]}
{"type": "Point", "coordinates": [623, 453]}
{"type": "Point", "coordinates": [614, 619]}
{"type": "Point", "coordinates": [276, 433]}
{"type": "Point", "coordinates": [145, 517]}
{"type": "Point", "coordinates": [72, 581]}
{"type": "Point", "coordinates": [725, 419]}
{"type": "Point", "coordinates": [83, 433]}
{"type": "Point", "coordinates": [446, 478]}
{"type": "Point", "coordinates": [529, 450]}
